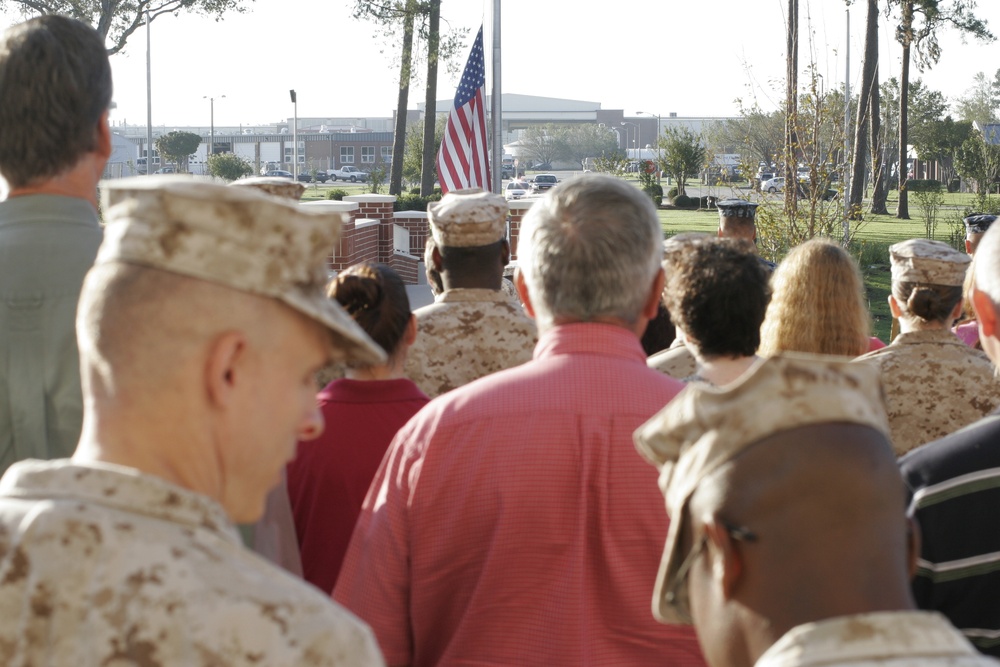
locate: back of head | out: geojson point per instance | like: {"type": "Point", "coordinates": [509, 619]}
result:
{"type": "Point", "coordinates": [818, 305]}
{"type": "Point", "coordinates": [927, 278]}
{"type": "Point", "coordinates": [590, 249]}
{"type": "Point", "coordinates": [375, 296]}
{"type": "Point", "coordinates": [737, 228]}
{"type": "Point", "coordinates": [987, 264]}
{"type": "Point", "coordinates": [717, 292]}
{"type": "Point", "coordinates": [55, 83]}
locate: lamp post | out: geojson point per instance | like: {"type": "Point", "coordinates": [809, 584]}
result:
{"type": "Point", "coordinates": [211, 127]}
{"type": "Point", "coordinates": [659, 155]}
{"type": "Point", "coordinates": [295, 137]}
{"type": "Point", "coordinates": [636, 126]}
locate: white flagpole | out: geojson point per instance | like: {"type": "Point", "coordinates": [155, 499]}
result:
{"type": "Point", "coordinates": [496, 107]}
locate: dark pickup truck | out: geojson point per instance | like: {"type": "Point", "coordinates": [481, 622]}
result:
{"type": "Point", "coordinates": [543, 182]}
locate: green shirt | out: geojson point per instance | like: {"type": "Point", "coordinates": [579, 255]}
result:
{"type": "Point", "coordinates": [47, 244]}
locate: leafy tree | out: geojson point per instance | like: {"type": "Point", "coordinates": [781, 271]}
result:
{"type": "Point", "coordinates": [681, 155]}
{"type": "Point", "coordinates": [981, 103]}
{"type": "Point", "coordinates": [758, 135]}
{"type": "Point", "coordinates": [941, 140]}
{"type": "Point", "coordinates": [228, 166]}
{"type": "Point", "coordinates": [919, 22]}
{"type": "Point", "coordinates": [429, 163]}
{"type": "Point", "coordinates": [116, 20]}
{"type": "Point", "coordinates": [868, 88]}
{"type": "Point", "coordinates": [177, 146]}
{"type": "Point", "coordinates": [979, 161]}
{"type": "Point", "coordinates": [613, 164]}
{"type": "Point", "coordinates": [542, 143]}
{"type": "Point", "coordinates": [579, 142]}
{"type": "Point", "coordinates": [413, 157]}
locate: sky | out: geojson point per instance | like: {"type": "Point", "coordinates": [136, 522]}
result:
{"type": "Point", "coordinates": [689, 58]}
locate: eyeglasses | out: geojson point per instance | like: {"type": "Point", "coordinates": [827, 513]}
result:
{"type": "Point", "coordinates": [677, 595]}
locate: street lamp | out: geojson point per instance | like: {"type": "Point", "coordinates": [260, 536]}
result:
{"type": "Point", "coordinates": [295, 137]}
{"type": "Point", "coordinates": [636, 126]}
{"type": "Point", "coordinates": [211, 129]}
{"type": "Point", "coordinates": [659, 155]}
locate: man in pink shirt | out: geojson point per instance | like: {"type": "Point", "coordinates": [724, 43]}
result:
{"type": "Point", "coordinates": [512, 522]}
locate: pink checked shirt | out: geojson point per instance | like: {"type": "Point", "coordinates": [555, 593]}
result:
{"type": "Point", "coordinates": [513, 523]}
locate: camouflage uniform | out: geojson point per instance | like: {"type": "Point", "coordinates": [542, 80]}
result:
{"type": "Point", "coordinates": [677, 361]}
{"type": "Point", "coordinates": [935, 385]}
{"type": "Point", "coordinates": [104, 565]}
{"type": "Point", "coordinates": [466, 334]}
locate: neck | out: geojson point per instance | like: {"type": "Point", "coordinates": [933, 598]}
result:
{"type": "Point", "coordinates": [393, 369]}
{"type": "Point", "coordinates": [486, 282]}
{"type": "Point", "coordinates": [909, 324]}
{"type": "Point", "coordinates": [79, 181]}
{"type": "Point", "coordinates": [721, 371]}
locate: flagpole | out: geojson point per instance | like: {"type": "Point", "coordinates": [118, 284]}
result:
{"type": "Point", "coordinates": [496, 108]}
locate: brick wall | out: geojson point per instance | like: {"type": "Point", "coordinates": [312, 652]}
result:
{"type": "Point", "coordinates": [405, 266]}
{"type": "Point", "coordinates": [414, 222]}
{"type": "Point", "coordinates": [517, 210]}
{"type": "Point", "coordinates": [378, 207]}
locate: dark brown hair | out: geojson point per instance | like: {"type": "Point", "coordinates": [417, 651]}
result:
{"type": "Point", "coordinates": [374, 295]}
{"type": "Point", "coordinates": [929, 303]}
{"type": "Point", "coordinates": [55, 83]}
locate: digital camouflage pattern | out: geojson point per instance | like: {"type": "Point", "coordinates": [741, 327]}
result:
{"type": "Point", "coordinates": [276, 187]}
{"type": "Point", "coordinates": [468, 218]}
{"type": "Point", "coordinates": [935, 384]}
{"type": "Point", "coordinates": [237, 237]}
{"type": "Point", "coordinates": [880, 639]}
{"type": "Point", "coordinates": [928, 262]}
{"type": "Point", "coordinates": [467, 334]}
{"type": "Point", "coordinates": [103, 565]}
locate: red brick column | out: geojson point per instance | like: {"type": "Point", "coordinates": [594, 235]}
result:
{"type": "Point", "coordinates": [416, 223]}
{"type": "Point", "coordinates": [378, 207]}
{"type": "Point", "coordinates": [343, 252]}
{"type": "Point", "coordinates": [517, 208]}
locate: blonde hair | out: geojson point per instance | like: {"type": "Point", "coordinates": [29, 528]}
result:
{"type": "Point", "coordinates": [818, 304]}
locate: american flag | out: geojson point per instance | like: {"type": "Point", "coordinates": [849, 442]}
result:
{"type": "Point", "coordinates": [463, 161]}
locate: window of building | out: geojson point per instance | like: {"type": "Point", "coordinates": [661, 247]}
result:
{"type": "Point", "coordinates": [368, 154]}
{"type": "Point", "coordinates": [347, 155]}
{"type": "Point", "coordinates": [387, 153]}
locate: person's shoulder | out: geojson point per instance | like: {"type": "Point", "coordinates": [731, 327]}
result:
{"type": "Point", "coordinates": [966, 451]}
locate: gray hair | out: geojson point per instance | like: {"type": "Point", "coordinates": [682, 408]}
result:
{"type": "Point", "coordinates": [987, 265]}
{"type": "Point", "coordinates": [590, 249]}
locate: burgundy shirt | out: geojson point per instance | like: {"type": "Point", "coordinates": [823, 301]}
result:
{"type": "Point", "coordinates": [514, 523]}
{"type": "Point", "coordinates": [330, 475]}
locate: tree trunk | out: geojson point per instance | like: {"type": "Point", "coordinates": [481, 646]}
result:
{"type": "Point", "coordinates": [903, 209]}
{"type": "Point", "coordinates": [869, 81]}
{"type": "Point", "coordinates": [399, 136]}
{"type": "Point", "coordinates": [791, 107]}
{"type": "Point", "coordinates": [430, 106]}
{"type": "Point", "coordinates": [878, 158]}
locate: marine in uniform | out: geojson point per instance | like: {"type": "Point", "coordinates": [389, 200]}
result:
{"type": "Point", "coordinates": [738, 220]}
{"type": "Point", "coordinates": [200, 327]}
{"type": "Point", "coordinates": [935, 384]}
{"type": "Point", "coordinates": [836, 495]}
{"type": "Point", "coordinates": [472, 329]}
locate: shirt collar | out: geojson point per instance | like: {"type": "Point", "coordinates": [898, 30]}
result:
{"type": "Point", "coordinates": [471, 294]}
{"type": "Point", "coordinates": [927, 336]}
{"type": "Point", "coordinates": [118, 487]}
{"type": "Point", "coordinates": [590, 338]}
{"type": "Point", "coordinates": [880, 635]}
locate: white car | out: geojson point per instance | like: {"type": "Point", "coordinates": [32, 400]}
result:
{"type": "Point", "coordinates": [516, 190]}
{"type": "Point", "coordinates": [773, 185]}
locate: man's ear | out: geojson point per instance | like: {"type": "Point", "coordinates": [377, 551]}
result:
{"type": "Point", "coordinates": [436, 258]}
{"type": "Point", "coordinates": [223, 371]}
{"type": "Point", "coordinates": [968, 247]}
{"type": "Point", "coordinates": [655, 297]}
{"type": "Point", "coordinates": [102, 145]}
{"type": "Point", "coordinates": [522, 292]}
{"type": "Point", "coordinates": [726, 559]}
{"type": "Point", "coordinates": [913, 546]}
{"type": "Point", "coordinates": [986, 314]}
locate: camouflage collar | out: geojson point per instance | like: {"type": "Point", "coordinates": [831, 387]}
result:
{"type": "Point", "coordinates": [471, 294]}
{"type": "Point", "coordinates": [122, 488]}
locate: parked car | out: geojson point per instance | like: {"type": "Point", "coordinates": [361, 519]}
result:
{"type": "Point", "coordinates": [774, 185]}
{"type": "Point", "coordinates": [348, 173]}
{"type": "Point", "coordinates": [305, 177]}
{"type": "Point", "coordinates": [516, 190]}
{"type": "Point", "coordinates": [545, 166]}
{"type": "Point", "coordinates": [543, 182]}
{"type": "Point", "coordinates": [321, 176]}
{"type": "Point", "coordinates": [278, 173]}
